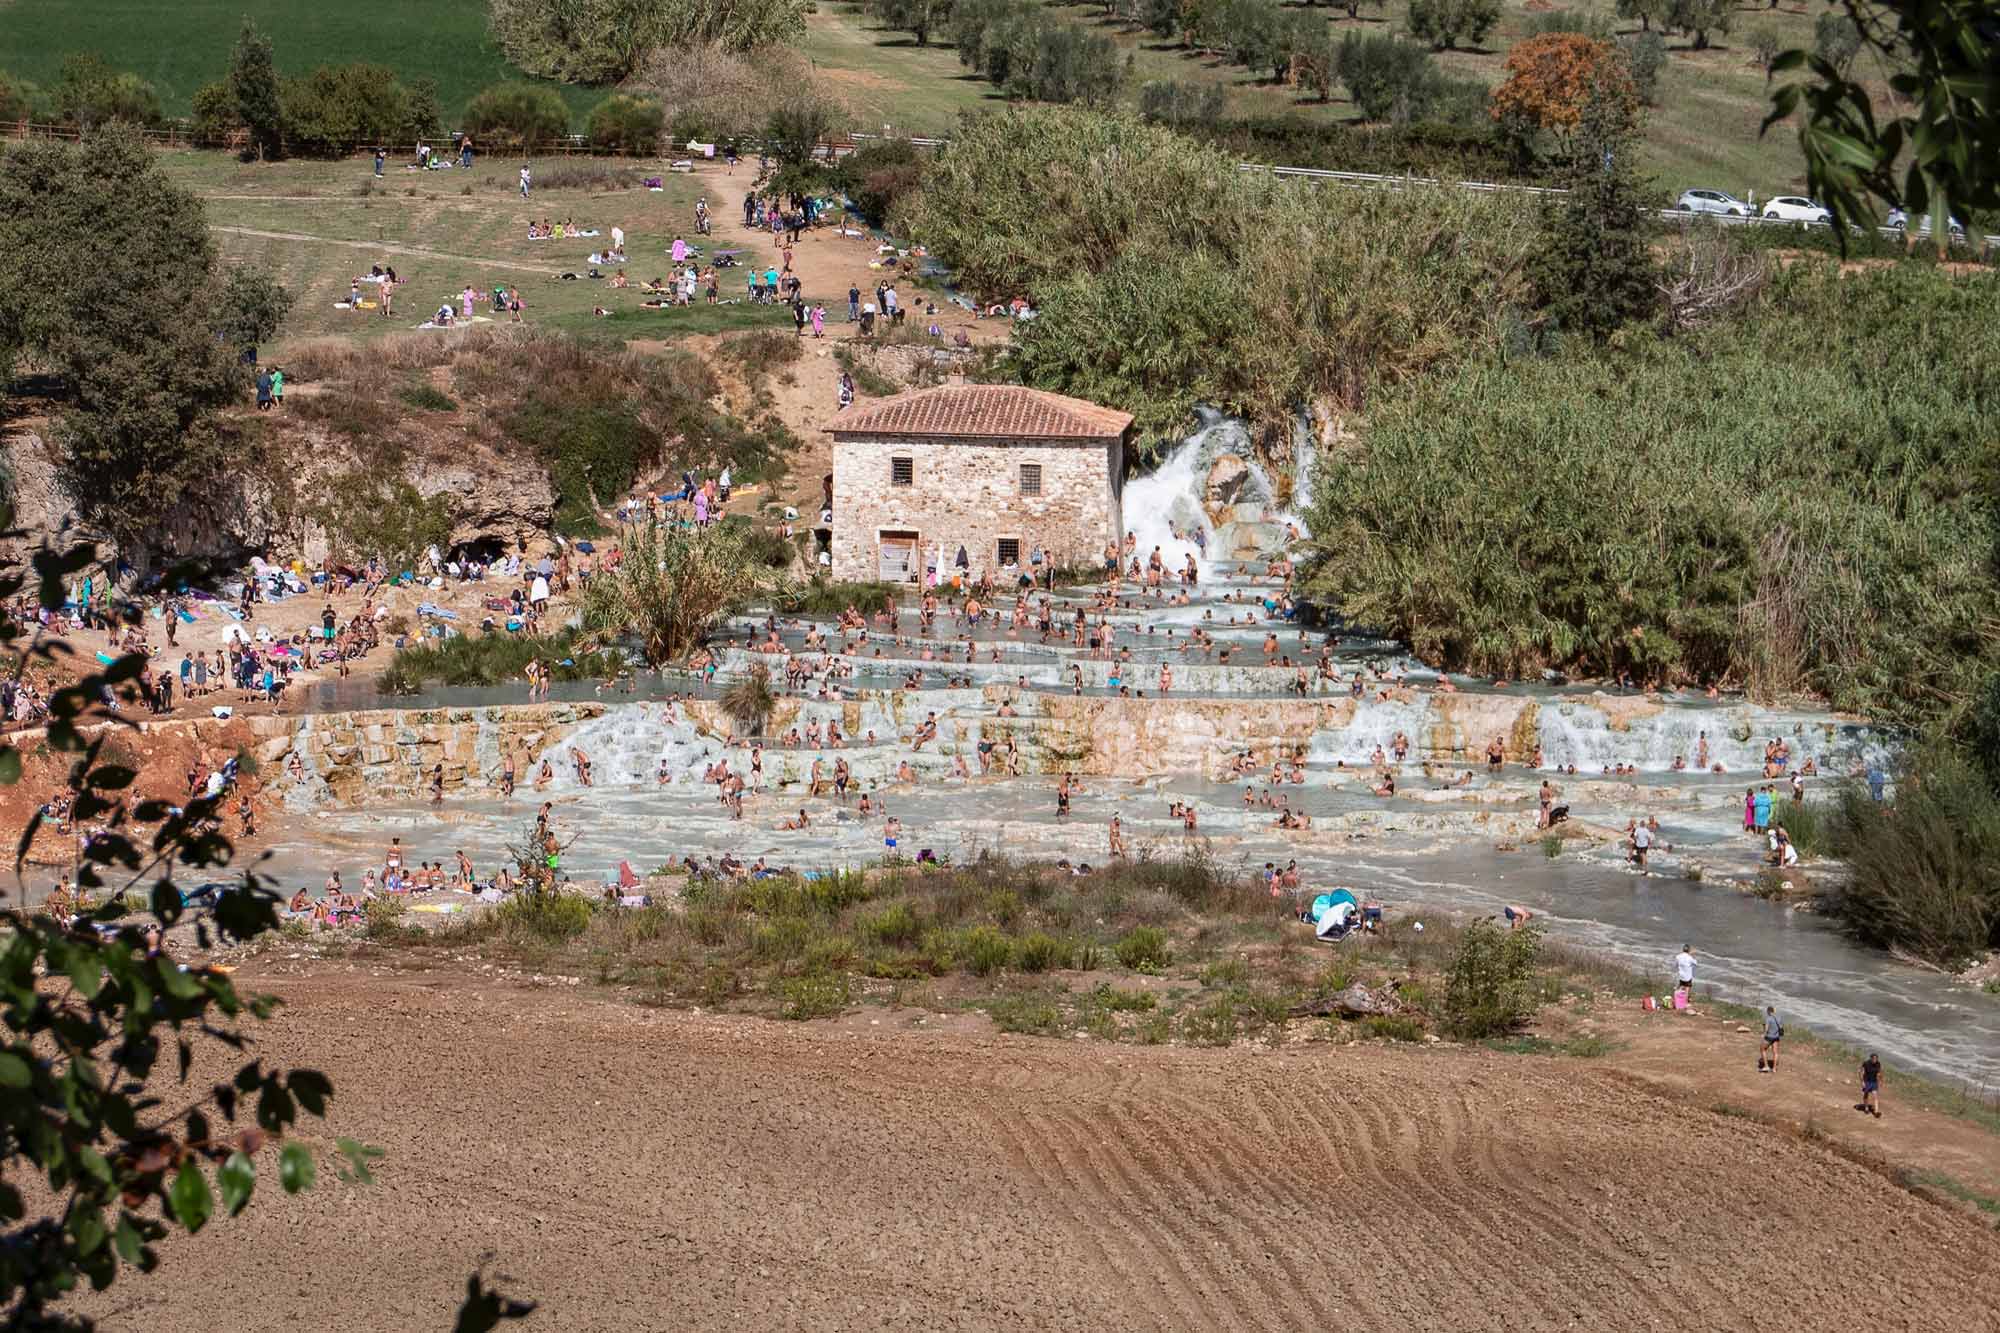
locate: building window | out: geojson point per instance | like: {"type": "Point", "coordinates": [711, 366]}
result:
{"type": "Point", "coordinates": [1031, 478]}
{"type": "Point", "coordinates": [1008, 551]}
{"type": "Point", "coordinates": [902, 472]}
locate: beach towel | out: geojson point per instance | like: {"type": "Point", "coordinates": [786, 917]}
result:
{"type": "Point", "coordinates": [626, 878]}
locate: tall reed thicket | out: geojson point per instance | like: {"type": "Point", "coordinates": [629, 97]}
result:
{"type": "Point", "coordinates": [1166, 277]}
{"type": "Point", "coordinates": [1797, 499]}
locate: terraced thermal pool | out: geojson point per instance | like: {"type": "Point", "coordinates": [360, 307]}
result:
{"type": "Point", "coordinates": [1453, 836]}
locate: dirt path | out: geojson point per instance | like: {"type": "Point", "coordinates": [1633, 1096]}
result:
{"type": "Point", "coordinates": [390, 248]}
{"type": "Point", "coordinates": [636, 1168]}
{"type": "Point", "coordinates": [1713, 1061]}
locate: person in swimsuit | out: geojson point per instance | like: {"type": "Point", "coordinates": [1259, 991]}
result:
{"type": "Point", "coordinates": [891, 831]}
{"type": "Point", "coordinates": [1871, 1086]}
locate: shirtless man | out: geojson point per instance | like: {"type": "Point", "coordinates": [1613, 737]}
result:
{"type": "Point", "coordinates": [507, 774]}
{"type": "Point", "coordinates": [1117, 847]}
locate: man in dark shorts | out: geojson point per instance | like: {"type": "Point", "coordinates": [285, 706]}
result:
{"type": "Point", "coordinates": [1871, 1086]}
{"type": "Point", "coordinates": [1774, 1032]}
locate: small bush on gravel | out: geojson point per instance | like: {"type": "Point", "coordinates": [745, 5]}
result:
{"type": "Point", "coordinates": [895, 924]}
{"type": "Point", "coordinates": [1215, 1023]}
{"type": "Point", "coordinates": [1392, 1027]}
{"type": "Point", "coordinates": [553, 917]}
{"type": "Point", "coordinates": [986, 950]}
{"type": "Point", "coordinates": [1041, 952]}
{"type": "Point", "coordinates": [1036, 1015]}
{"type": "Point", "coordinates": [1125, 1001]}
{"type": "Point", "coordinates": [1143, 949]}
{"type": "Point", "coordinates": [1489, 983]}
{"type": "Point", "coordinates": [815, 995]}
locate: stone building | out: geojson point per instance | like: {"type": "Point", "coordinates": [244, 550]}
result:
{"type": "Point", "coordinates": [995, 469]}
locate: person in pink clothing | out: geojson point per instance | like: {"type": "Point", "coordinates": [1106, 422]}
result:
{"type": "Point", "coordinates": [680, 250]}
{"type": "Point", "coordinates": [1750, 810]}
{"type": "Point", "coordinates": [819, 321]}
{"type": "Point", "coordinates": [701, 509]}
{"type": "Point", "coordinates": [465, 300]}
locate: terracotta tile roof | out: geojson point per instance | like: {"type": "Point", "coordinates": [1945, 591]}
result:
{"type": "Point", "coordinates": [985, 411]}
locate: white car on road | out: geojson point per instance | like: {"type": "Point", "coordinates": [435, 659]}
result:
{"type": "Point", "coordinates": [1900, 220]}
{"type": "Point", "coordinates": [1793, 208]}
{"type": "Point", "coordinates": [1712, 201]}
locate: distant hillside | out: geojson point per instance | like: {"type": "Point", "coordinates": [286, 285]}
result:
{"type": "Point", "coordinates": [181, 45]}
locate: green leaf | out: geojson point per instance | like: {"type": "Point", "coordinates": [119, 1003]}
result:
{"type": "Point", "coordinates": [10, 765]}
{"type": "Point", "coordinates": [295, 1168]}
{"type": "Point", "coordinates": [85, 974]}
{"type": "Point", "coordinates": [237, 1178]}
{"type": "Point", "coordinates": [190, 1199]}
{"type": "Point", "coordinates": [94, 1165]}
{"type": "Point", "coordinates": [14, 1071]}
{"type": "Point", "coordinates": [126, 1240]}
{"type": "Point", "coordinates": [86, 1225]}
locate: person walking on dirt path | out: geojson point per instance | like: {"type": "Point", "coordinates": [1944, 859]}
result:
{"type": "Point", "coordinates": [465, 152]}
{"type": "Point", "coordinates": [381, 160]}
{"type": "Point", "coordinates": [1774, 1032]}
{"type": "Point", "coordinates": [853, 304]}
{"type": "Point", "coordinates": [527, 179]}
{"type": "Point", "coordinates": [1684, 971]}
{"type": "Point", "coordinates": [819, 321]}
{"type": "Point", "coordinates": [1871, 1086]}
{"type": "Point", "coordinates": [277, 386]}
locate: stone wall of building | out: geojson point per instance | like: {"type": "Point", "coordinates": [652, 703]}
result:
{"type": "Point", "coordinates": [968, 493]}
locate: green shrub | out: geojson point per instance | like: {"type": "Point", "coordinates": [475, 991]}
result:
{"type": "Point", "coordinates": [626, 123]}
{"type": "Point", "coordinates": [336, 108]}
{"type": "Point", "coordinates": [895, 925]}
{"type": "Point", "coordinates": [1444, 23]}
{"type": "Point", "coordinates": [1213, 1023]}
{"type": "Point", "coordinates": [549, 917]}
{"type": "Point", "coordinates": [784, 938]}
{"type": "Point", "coordinates": [1226, 972]}
{"type": "Point", "coordinates": [1143, 949]}
{"type": "Point", "coordinates": [814, 995]}
{"type": "Point", "coordinates": [517, 114]}
{"type": "Point", "coordinates": [215, 113]}
{"type": "Point", "coordinates": [879, 176]}
{"type": "Point", "coordinates": [1392, 1027]}
{"type": "Point", "coordinates": [986, 950]}
{"type": "Point", "coordinates": [1039, 952]}
{"type": "Point", "coordinates": [1489, 982]}
{"type": "Point", "coordinates": [1680, 580]}
{"type": "Point", "coordinates": [1180, 102]}
{"type": "Point", "coordinates": [89, 93]}
{"type": "Point", "coordinates": [428, 398]}
{"type": "Point", "coordinates": [823, 597]}
{"type": "Point", "coordinates": [1552, 846]}
{"type": "Point", "coordinates": [1921, 872]}
{"type": "Point", "coordinates": [385, 918]}
{"type": "Point", "coordinates": [1808, 824]}
{"type": "Point", "coordinates": [1125, 1001]}
{"type": "Point", "coordinates": [1034, 1014]}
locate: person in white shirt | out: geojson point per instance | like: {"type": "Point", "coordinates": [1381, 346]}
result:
{"type": "Point", "coordinates": [618, 240]}
{"type": "Point", "coordinates": [1684, 970]}
{"type": "Point", "coordinates": [1642, 842]}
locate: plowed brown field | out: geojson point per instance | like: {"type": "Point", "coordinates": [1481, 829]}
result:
{"type": "Point", "coordinates": [637, 1169]}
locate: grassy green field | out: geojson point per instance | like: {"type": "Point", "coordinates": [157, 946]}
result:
{"type": "Point", "coordinates": [318, 225]}
{"type": "Point", "coordinates": [1702, 132]}
{"type": "Point", "coordinates": [179, 45]}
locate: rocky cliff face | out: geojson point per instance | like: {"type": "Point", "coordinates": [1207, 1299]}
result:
{"type": "Point", "coordinates": [272, 509]}
{"type": "Point", "coordinates": [388, 754]}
